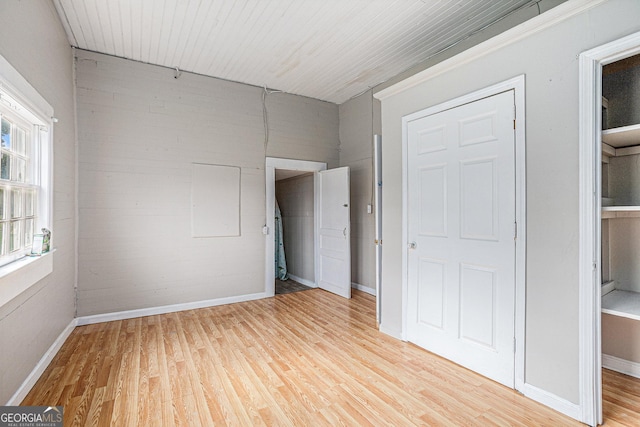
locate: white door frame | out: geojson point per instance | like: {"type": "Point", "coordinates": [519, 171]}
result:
{"type": "Point", "coordinates": [517, 84]}
{"type": "Point", "coordinates": [273, 163]}
{"type": "Point", "coordinates": [590, 158]}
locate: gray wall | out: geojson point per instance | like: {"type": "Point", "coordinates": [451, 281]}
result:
{"type": "Point", "coordinates": [549, 59]}
{"type": "Point", "coordinates": [33, 41]}
{"type": "Point", "coordinates": [139, 130]}
{"type": "Point", "coordinates": [295, 197]}
{"type": "Point", "coordinates": [359, 121]}
{"type": "Point", "coordinates": [622, 90]}
{"type": "Point", "coordinates": [621, 337]}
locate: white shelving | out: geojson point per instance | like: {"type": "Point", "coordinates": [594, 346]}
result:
{"type": "Point", "coordinates": [611, 212]}
{"type": "Point", "coordinates": [622, 303]}
{"type": "Point", "coordinates": [622, 137]}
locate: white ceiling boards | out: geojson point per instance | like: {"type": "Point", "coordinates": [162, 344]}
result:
{"type": "Point", "coordinates": [330, 50]}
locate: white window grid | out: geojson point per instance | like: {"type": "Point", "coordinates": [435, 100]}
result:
{"type": "Point", "coordinates": [19, 190]}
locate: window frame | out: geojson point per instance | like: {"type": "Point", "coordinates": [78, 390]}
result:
{"type": "Point", "coordinates": [25, 108]}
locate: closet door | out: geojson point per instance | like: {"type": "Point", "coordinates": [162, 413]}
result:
{"type": "Point", "coordinates": [461, 259]}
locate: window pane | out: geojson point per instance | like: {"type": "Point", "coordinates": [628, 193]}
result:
{"type": "Point", "coordinates": [19, 169]}
{"type": "Point", "coordinates": [29, 205]}
{"type": "Point", "coordinates": [16, 203]}
{"type": "Point", "coordinates": [28, 232]}
{"type": "Point", "coordinates": [2, 210]}
{"type": "Point", "coordinates": [3, 234]}
{"type": "Point", "coordinates": [20, 140]}
{"type": "Point", "coordinates": [5, 166]}
{"type": "Point", "coordinates": [6, 134]}
{"type": "Point", "coordinates": [14, 239]}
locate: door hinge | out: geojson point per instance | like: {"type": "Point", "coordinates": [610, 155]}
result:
{"type": "Point", "coordinates": [514, 123]}
{"type": "Point", "coordinates": [515, 230]}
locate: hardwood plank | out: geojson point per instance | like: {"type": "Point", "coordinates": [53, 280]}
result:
{"type": "Point", "coordinates": [304, 358]}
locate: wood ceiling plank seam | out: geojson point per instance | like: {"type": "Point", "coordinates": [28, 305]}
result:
{"type": "Point", "coordinates": [233, 68]}
{"type": "Point", "coordinates": [297, 47]}
{"type": "Point", "coordinates": [74, 23]}
{"type": "Point", "coordinates": [120, 35]}
{"type": "Point", "coordinates": [195, 34]}
{"type": "Point", "coordinates": [167, 31]}
{"type": "Point", "coordinates": [157, 30]}
{"type": "Point", "coordinates": [299, 83]}
{"type": "Point", "coordinates": [177, 31]}
{"type": "Point", "coordinates": [208, 41]}
{"type": "Point", "coordinates": [146, 22]}
{"type": "Point", "coordinates": [279, 40]}
{"type": "Point", "coordinates": [229, 45]}
{"type": "Point", "coordinates": [247, 66]}
{"type": "Point", "coordinates": [82, 41]}
{"type": "Point", "coordinates": [187, 28]}
{"type": "Point", "coordinates": [104, 10]}
{"type": "Point", "coordinates": [234, 62]}
{"type": "Point", "coordinates": [446, 38]}
{"type": "Point", "coordinates": [218, 40]}
{"type": "Point", "coordinates": [89, 27]}
{"type": "Point", "coordinates": [62, 13]}
{"type": "Point", "coordinates": [136, 35]}
{"type": "Point", "coordinates": [410, 48]}
{"type": "Point", "coordinates": [340, 83]}
{"type": "Point", "coordinates": [361, 46]}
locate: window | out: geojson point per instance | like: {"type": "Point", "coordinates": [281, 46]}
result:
{"type": "Point", "coordinates": [23, 191]}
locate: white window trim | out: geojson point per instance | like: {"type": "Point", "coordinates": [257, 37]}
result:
{"type": "Point", "coordinates": [19, 275]}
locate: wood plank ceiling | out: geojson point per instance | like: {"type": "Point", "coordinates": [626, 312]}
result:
{"type": "Point", "coordinates": [325, 49]}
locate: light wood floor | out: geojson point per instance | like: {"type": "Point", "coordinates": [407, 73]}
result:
{"type": "Point", "coordinates": [302, 359]}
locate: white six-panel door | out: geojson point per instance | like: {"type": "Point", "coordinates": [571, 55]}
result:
{"type": "Point", "coordinates": [460, 225]}
{"type": "Point", "coordinates": [334, 246]}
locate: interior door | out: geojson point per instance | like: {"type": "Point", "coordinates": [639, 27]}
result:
{"type": "Point", "coordinates": [334, 246]}
{"type": "Point", "coordinates": [461, 217]}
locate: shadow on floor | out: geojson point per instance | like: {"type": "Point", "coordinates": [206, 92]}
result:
{"type": "Point", "coordinates": [288, 286]}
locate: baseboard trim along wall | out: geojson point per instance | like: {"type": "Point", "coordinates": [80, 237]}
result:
{"type": "Point", "coordinates": [363, 288]}
{"type": "Point", "coordinates": [623, 366]}
{"type": "Point", "coordinates": [38, 370]}
{"type": "Point", "coordinates": [552, 401]}
{"type": "Point", "coordinates": [130, 314]}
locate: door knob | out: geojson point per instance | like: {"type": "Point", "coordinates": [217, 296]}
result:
{"type": "Point", "coordinates": [413, 245]}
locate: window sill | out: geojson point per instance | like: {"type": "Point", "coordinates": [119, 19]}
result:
{"type": "Point", "coordinates": [21, 274]}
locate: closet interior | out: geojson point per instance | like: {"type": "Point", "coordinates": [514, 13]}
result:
{"type": "Point", "coordinates": [620, 238]}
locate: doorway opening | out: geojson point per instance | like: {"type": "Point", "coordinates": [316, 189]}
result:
{"type": "Point", "coordinates": [332, 227]}
{"type": "Point", "coordinates": [607, 208]}
{"type": "Point", "coordinates": [294, 231]}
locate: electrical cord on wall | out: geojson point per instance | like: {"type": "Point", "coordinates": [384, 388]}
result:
{"type": "Point", "coordinates": [265, 115]}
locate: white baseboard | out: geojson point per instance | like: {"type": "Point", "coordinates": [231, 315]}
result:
{"type": "Point", "coordinates": [302, 281]}
{"type": "Point", "coordinates": [623, 366]}
{"type": "Point", "coordinates": [363, 288]}
{"type": "Point", "coordinates": [151, 311]}
{"type": "Point", "coordinates": [38, 370]}
{"type": "Point", "coordinates": [552, 401]}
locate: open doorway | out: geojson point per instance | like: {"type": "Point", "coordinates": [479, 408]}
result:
{"type": "Point", "coordinates": [294, 235]}
{"type": "Point", "coordinates": [608, 211]}
{"type": "Point", "coordinates": [331, 219]}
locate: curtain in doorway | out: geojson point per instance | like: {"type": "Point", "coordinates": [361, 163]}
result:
{"type": "Point", "coordinates": [281, 262]}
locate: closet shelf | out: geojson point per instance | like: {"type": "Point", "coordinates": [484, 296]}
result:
{"type": "Point", "coordinates": [622, 303]}
{"type": "Point", "coordinates": [622, 137]}
{"type": "Point", "coordinates": [609, 212]}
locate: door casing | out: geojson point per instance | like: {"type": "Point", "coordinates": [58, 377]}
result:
{"type": "Point", "coordinates": [273, 163]}
{"type": "Point", "coordinates": [590, 262]}
{"type": "Point", "coordinates": [517, 84]}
